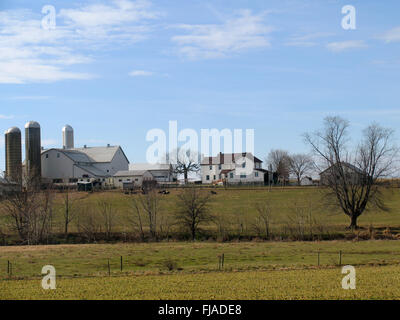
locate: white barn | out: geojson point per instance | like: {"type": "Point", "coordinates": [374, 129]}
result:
{"type": "Point", "coordinates": [83, 164]}
{"type": "Point", "coordinates": [131, 178]}
{"type": "Point", "coordinates": [162, 173]}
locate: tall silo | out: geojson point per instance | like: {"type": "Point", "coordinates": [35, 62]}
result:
{"type": "Point", "coordinates": [68, 137]}
{"type": "Point", "coordinates": [13, 155]}
{"type": "Point", "coordinates": [33, 151]}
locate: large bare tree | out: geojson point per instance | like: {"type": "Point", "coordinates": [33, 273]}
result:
{"type": "Point", "coordinates": [187, 161]}
{"type": "Point", "coordinates": [31, 213]}
{"type": "Point", "coordinates": [193, 209]}
{"type": "Point", "coordinates": [300, 164]}
{"type": "Point", "coordinates": [280, 162]}
{"type": "Point", "coordinates": [351, 173]}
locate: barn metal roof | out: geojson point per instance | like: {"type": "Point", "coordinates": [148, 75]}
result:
{"type": "Point", "coordinates": [99, 154]}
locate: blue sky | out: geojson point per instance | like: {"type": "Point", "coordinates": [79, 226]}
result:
{"type": "Point", "coordinates": [116, 69]}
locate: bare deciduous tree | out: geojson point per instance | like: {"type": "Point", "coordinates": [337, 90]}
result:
{"type": "Point", "coordinates": [279, 160]}
{"type": "Point", "coordinates": [300, 164]}
{"type": "Point", "coordinates": [108, 214]}
{"type": "Point", "coordinates": [145, 211]}
{"type": "Point", "coordinates": [193, 209]}
{"type": "Point", "coordinates": [68, 210]}
{"type": "Point", "coordinates": [87, 223]}
{"type": "Point", "coordinates": [352, 175]}
{"type": "Point", "coordinates": [263, 219]}
{"type": "Point", "coordinates": [187, 161]}
{"type": "Point", "coordinates": [31, 212]}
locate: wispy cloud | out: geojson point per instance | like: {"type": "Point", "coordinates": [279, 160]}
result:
{"type": "Point", "coordinates": [30, 53]}
{"type": "Point", "coordinates": [346, 45]}
{"type": "Point", "coordinates": [392, 35]}
{"type": "Point", "coordinates": [141, 73]}
{"type": "Point", "coordinates": [5, 117]}
{"type": "Point", "coordinates": [242, 32]}
{"type": "Point", "coordinates": [308, 40]}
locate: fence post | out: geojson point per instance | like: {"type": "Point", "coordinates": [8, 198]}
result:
{"type": "Point", "coordinates": [121, 263]}
{"type": "Point", "coordinates": [340, 257]}
{"type": "Point", "coordinates": [109, 270]}
{"type": "Point", "coordinates": [318, 258]}
{"type": "Point", "coordinates": [8, 267]}
{"type": "Point", "coordinates": [223, 260]}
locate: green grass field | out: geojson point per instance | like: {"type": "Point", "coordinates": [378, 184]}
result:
{"type": "Point", "coordinates": [256, 270]}
{"type": "Point", "coordinates": [372, 283]}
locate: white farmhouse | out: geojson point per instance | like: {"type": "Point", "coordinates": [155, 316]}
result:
{"type": "Point", "coordinates": [83, 164]}
{"type": "Point", "coordinates": [234, 168]}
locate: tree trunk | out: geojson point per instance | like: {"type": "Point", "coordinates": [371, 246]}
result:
{"type": "Point", "coordinates": [353, 225]}
{"type": "Point", "coordinates": [186, 177]}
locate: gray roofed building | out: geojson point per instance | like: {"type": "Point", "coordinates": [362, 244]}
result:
{"type": "Point", "coordinates": [162, 172]}
{"type": "Point", "coordinates": [132, 178]}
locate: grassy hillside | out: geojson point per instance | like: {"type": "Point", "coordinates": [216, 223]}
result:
{"type": "Point", "coordinates": [294, 211]}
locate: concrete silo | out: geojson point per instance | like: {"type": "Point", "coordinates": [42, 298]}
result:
{"type": "Point", "coordinates": [13, 155]}
{"type": "Point", "coordinates": [33, 151]}
{"type": "Point", "coordinates": [68, 137]}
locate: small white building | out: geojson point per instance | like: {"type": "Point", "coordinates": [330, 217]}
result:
{"type": "Point", "coordinates": [131, 178]}
{"type": "Point", "coordinates": [162, 173]}
{"type": "Point", "coordinates": [83, 164]}
{"type": "Point", "coordinates": [234, 168]}
{"type": "Point", "coordinates": [307, 181]}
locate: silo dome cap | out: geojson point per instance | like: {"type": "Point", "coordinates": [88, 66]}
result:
{"type": "Point", "coordinates": [13, 130]}
{"type": "Point", "coordinates": [67, 128]}
{"type": "Point", "coordinates": [32, 124]}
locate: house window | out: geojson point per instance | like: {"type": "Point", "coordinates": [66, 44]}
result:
{"type": "Point", "coordinates": [256, 174]}
{"type": "Point", "coordinates": [215, 177]}
{"type": "Point", "coordinates": [207, 178]}
{"type": "Point", "coordinates": [210, 167]}
{"type": "Point", "coordinates": [108, 171]}
{"type": "Point", "coordinates": [220, 176]}
{"type": "Point", "coordinates": [220, 167]}
{"type": "Point", "coordinates": [119, 180]}
{"type": "Point", "coordinates": [231, 175]}
{"type": "Point", "coordinates": [244, 165]}
{"type": "Point", "coordinates": [136, 179]}
{"type": "Point", "coordinates": [47, 156]}
{"type": "Point", "coordinates": [243, 176]}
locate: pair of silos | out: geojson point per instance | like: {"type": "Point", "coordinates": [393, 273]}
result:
{"type": "Point", "coordinates": [33, 164]}
{"type": "Point", "coordinates": [32, 151]}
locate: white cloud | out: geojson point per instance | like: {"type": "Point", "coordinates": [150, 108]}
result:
{"type": "Point", "coordinates": [30, 53]}
{"type": "Point", "coordinates": [4, 117]}
{"type": "Point", "coordinates": [141, 73]}
{"type": "Point", "coordinates": [392, 35]}
{"type": "Point", "coordinates": [308, 40]}
{"type": "Point", "coordinates": [243, 32]}
{"type": "Point", "coordinates": [346, 45]}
